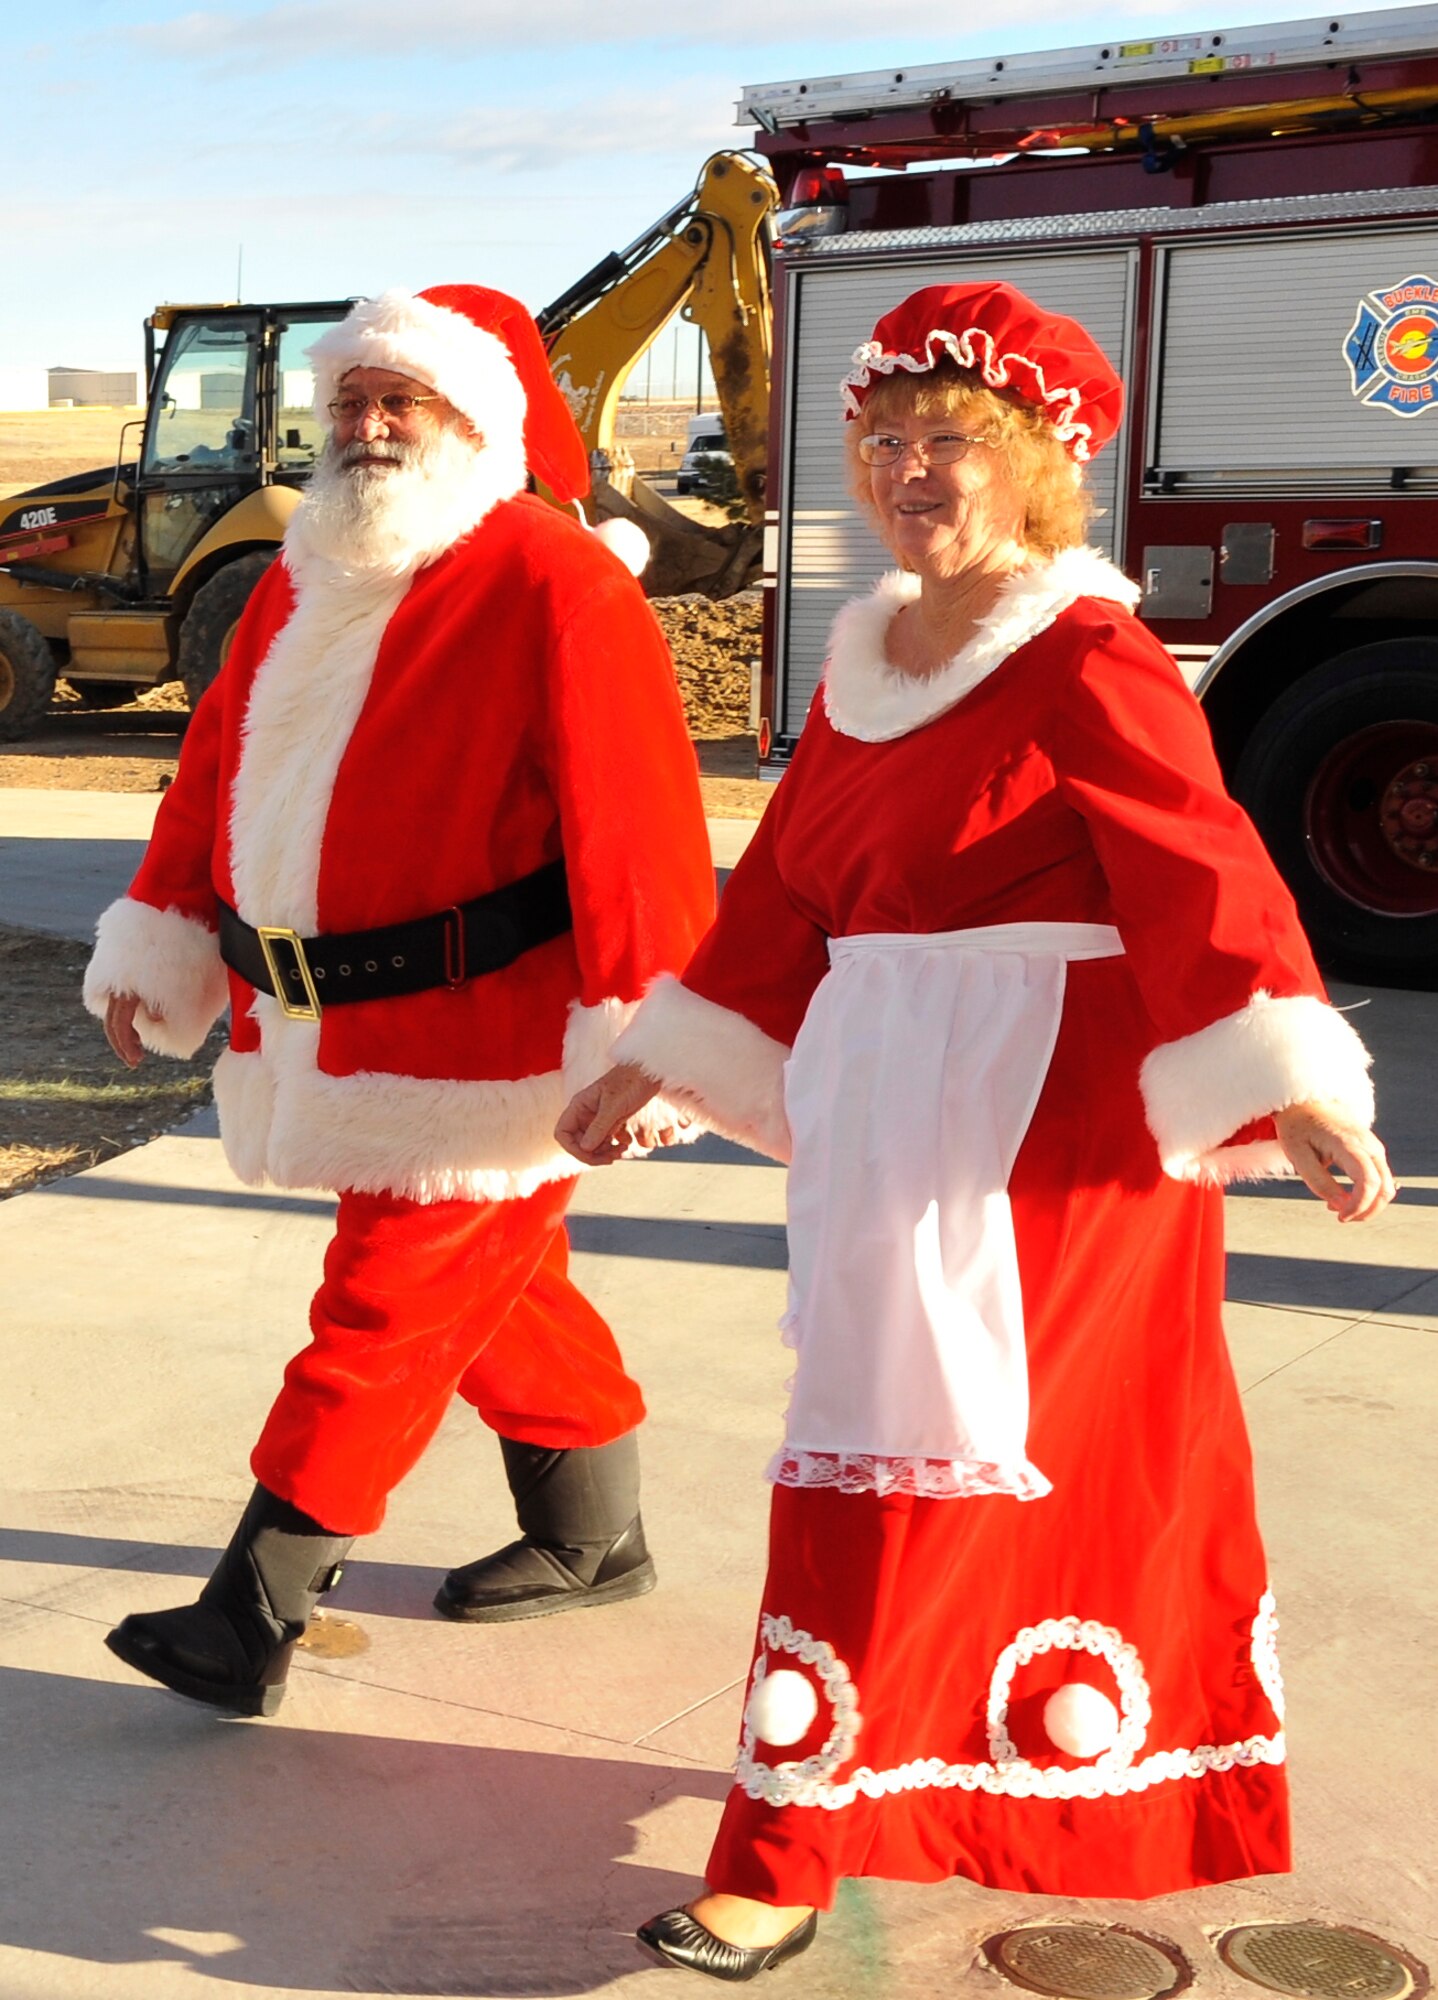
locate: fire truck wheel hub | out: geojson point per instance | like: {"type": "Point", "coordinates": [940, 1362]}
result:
{"type": "Point", "coordinates": [1372, 818]}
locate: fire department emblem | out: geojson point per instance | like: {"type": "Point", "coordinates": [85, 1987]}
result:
{"type": "Point", "coordinates": [1392, 348]}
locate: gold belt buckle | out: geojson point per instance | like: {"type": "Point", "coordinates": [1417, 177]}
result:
{"type": "Point", "coordinates": [293, 1008]}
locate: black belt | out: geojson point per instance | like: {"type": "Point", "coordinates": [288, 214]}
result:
{"type": "Point", "coordinates": [308, 974]}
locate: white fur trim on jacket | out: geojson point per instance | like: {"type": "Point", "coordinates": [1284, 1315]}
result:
{"type": "Point", "coordinates": [867, 698]}
{"type": "Point", "coordinates": [713, 1059]}
{"type": "Point", "coordinates": [171, 961]}
{"type": "Point", "coordinates": [303, 706]}
{"type": "Point", "coordinates": [284, 1121]}
{"type": "Point", "coordinates": [413, 336]}
{"type": "Point", "coordinates": [1202, 1089]}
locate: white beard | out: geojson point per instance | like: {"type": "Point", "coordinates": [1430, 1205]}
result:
{"type": "Point", "coordinates": [357, 521]}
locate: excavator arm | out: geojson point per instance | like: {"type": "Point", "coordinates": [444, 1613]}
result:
{"type": "Point", "coordinates": [708, 258]}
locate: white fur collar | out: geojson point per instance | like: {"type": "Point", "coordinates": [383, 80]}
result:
{"type": "Point", "coordinates": [867, 698]}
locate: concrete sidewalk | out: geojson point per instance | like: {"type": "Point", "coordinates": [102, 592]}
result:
{"type": "Point", "coordinates": [446, 1810]}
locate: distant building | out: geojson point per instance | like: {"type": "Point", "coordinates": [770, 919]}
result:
{"type": "Point", "coordinates": [24, 389]}
{"type": "Point", "coordinates": [103, 386]}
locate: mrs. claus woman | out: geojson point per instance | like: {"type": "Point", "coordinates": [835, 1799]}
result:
{"type": "Point", "coordinates": [1010, 981]}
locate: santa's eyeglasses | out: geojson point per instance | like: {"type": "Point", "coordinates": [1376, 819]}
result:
{"type": "Point", "coordinates": [396, 406]}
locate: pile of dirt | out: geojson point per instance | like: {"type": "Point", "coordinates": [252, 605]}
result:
{"type": "Point", "coordinates": [65, 1101]}
{"type": "Point", "coordinates": [716, 653]}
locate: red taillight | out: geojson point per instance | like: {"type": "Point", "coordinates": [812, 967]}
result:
{"type": "Point", "coordinates": [1342, 534]}
{"type": "Point", "coordinates": [818, 187]}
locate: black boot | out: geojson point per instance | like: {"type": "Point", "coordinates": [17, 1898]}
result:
{"type": "Point", "coordinates": [232, 1649]}
{"type": "Point", "coordinates": [583, 1542]}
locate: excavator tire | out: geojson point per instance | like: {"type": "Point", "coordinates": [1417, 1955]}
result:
{"type": "Point", "coordinates": [27, 676]}
{"type": "Point", "coordinates": [209, 627]}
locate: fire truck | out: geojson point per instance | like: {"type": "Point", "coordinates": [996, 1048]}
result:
{"type": "Point", "coordinates": [1247, 222]}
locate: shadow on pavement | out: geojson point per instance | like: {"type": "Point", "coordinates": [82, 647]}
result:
{"type": "Point", "coordinates": [1318, 1285]}
{"type": "Point", "coordinates": [711, 1150]}
{"type": "Point", "coordinates": [142, 1830]}
{"type": "Point", "coordinates": [385, 1589]}
{"type": "Point", "coordinates": [754, 1246]}
{"type": "Point", "coordinates": [88, 1187]}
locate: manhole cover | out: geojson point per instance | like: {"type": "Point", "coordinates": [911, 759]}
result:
{"type": "Point", "coordinates": [1320, 1960]}
{"type": "Point", "coordinates": [1088, 1962]}
{"type": "Point", "coordinates": [331, 1638]}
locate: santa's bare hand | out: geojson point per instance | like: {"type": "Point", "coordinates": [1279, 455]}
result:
{"type": "Point", "coordinates": [602, 1123]}
{"type": "Point", "coordinates": [1319, 1138]}
{"type": "Point", "coordinates": [120, 1031]}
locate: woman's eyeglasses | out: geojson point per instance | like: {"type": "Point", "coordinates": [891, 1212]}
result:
{"type": "Point", "coordinates": [938, 448]}
{"type": "Point", "coordinates": [397, 406]}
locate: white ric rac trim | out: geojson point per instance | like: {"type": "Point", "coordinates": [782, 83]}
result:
{"type": "Point", "coordinates": [1115, 1773]}
{"type": "Point", "coordinates": [867, 698]}
{"type": "Point", "coordinates": [1074, 1636]}
{"type": "Point", "coordinates": [1264, 1652]}
{"type": "Point", "coordinates": [977, 349]}
{"type": "Point", "coordinates": [780, 1636]}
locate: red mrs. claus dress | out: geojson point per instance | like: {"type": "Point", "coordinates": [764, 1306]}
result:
{"type": "Point", "coordinates": [1042, 989]}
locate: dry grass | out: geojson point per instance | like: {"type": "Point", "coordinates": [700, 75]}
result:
{"type": "Point", "coordinates": [36, 445]}
{"type": "Point", "coordinates": [65, 1102]}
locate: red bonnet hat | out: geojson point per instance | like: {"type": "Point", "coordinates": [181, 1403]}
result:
{"type": "Point", "coordinates": [993, 328]}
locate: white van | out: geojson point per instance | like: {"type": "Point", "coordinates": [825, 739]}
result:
{"type": "Point", "coordinates": [706, 463]}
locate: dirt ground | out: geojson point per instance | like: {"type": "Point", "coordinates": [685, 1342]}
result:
{"type": "Point", "coordinates": [64, 1100]}
{"type": "Point", "coordinates": [36, 445]}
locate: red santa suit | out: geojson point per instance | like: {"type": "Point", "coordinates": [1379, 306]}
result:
{"type": "Point", "coordinates": [1012, 982]}
{"type": "Point", "coordinates": [383, 745]}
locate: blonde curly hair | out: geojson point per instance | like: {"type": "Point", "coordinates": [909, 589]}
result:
{"type": "Point", "coordinates": [1058, 506]}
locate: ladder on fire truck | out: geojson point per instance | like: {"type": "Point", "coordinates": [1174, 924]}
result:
{"type": "Point", "coordinates": [998, 87]}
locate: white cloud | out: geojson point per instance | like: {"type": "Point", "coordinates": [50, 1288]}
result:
{"type": "Point", "coordinates": [276, 34]}
{"type": "Point", "coordinates": [679, 121]}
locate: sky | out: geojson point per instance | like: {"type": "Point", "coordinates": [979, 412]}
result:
{"type": "Point", "coordinates": [342, 146]}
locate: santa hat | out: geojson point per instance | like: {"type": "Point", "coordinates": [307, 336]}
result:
{"type": "Point", "coordinates": [994, 329]}
{"type": "Point", "coordinates": [482, 351]}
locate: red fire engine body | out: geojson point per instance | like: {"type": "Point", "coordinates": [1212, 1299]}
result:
{"type": "Point", "coordinates": [1248, 223]}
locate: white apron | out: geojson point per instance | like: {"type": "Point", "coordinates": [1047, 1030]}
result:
{"type": "Point", "coordinates": [910, 1088]}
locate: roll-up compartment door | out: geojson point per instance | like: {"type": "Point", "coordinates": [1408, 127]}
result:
{"type": "Point", "coordinates": [828, 553]}
{"type": "Point", "coordinates": [1255, 380]}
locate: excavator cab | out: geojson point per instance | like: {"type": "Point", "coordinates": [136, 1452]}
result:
{"type": "Point", "coordinates": [137, 574]}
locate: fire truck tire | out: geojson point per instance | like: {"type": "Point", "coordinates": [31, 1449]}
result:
{"type": "Point", "coordinates": [1340, 776]}
{"type": "Point", "coordinates": [27, 676]}
{"type": "Point", "coordinates": [209, 627]}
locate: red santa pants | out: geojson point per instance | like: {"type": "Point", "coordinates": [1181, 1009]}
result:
{"type": "Point", "coordinates": [421, 1300]}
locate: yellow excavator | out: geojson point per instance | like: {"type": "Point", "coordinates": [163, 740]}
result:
{"type": "Point", "coordinates": [137, 573]}
{"type": "Point", "coordinates": [708, 259]}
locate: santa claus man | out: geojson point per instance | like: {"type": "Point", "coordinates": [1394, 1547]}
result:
{"type": "Point", "coordinates": [435, 828]}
